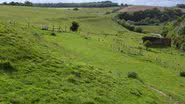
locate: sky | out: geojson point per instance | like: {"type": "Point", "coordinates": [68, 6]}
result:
{"type": "Point", "coordinates": [136, 2]}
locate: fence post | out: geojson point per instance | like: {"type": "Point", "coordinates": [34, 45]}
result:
{"type": "Point", "coordinates": [53, 28]}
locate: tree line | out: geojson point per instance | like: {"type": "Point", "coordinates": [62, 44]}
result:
{"type": "Point", "coordinates": [180, 5]}
{"type": "Point", "coordinates": [176, 31]}
{"type": "Point", "coordinates": [57, 5]}
{"type": "Point", "coordinates": [26, 3]}
{"type": "Point", "coordinates": [153, 16]}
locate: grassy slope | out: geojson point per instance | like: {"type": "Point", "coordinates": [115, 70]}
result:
{"type": "Point", "coordinates": [152, 29]}
{"type": "Point", "coordinates": [86, 67]}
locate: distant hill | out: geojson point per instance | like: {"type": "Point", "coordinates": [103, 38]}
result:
{"type": "Point", "coordinates": [139, 8]}
{"type": "Point", "coordinates": [136, 8]}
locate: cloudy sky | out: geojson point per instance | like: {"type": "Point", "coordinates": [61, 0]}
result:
{"type": "Point", "coordinates": [138, 2]}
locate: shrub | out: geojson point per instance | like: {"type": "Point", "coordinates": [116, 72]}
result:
{"type": "Point", "coordinates": [182, 74]}
{"type": "Point", "coordinates": [131, 27]}
{"type": "Point", "coordinates": [138, 29]}
{"type": "Point", "coordinates": [147, 43]}
{"type": "Point", "coordinates": [153, 16]}
{"type": "Point", "coordinates": [108, 13]}
{"type": "Point", "coordinates": [133, 75]}
{"type": "Point", "coordinates": [75, 9]}
{"type": "Point", "coordinates": [74, 27]}
{"type": "Point", "coordinates": [181, 30]}
{"type": "Point", "coordinates": [6, 66]}
{"type": "Point", "coordinates": [53, 34]}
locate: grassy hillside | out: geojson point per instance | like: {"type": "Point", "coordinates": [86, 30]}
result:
{"type": "Point", "coordinates": [87, 67]}
{"type": "Point", "coordinates": [152, 29]}
{"type": "Point", "coordinates": [139, 8]}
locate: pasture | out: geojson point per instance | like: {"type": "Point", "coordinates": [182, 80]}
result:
{"type": "Point", "coordinates": [85, 67]}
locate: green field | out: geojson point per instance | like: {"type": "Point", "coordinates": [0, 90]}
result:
{"type": "Point", "coordinates": [152, 29]}
{"type": "Point", "coordinates": [85, 67]}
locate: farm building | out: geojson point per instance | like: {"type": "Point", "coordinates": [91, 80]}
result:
{"type": "Point", "coordinates": [157, 41]}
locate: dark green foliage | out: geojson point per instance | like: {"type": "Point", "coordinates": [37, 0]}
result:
{"type": "Point", "coordinates": [182, 74]}
{"type": "Point", "coordinates": [138, 29]}
{"type": "Point", "coordinates": [147, 17]}
{"type": "Point", "coordinates": [154, 16]}
{"type": "Point", "coordinates": [108, 13]}
{"type": "Point", "coordinates": [133, 75]}
{"type": "Point", "coordinates": [53, 34]}
{"type": "Point", "coordinates": [137, 93]}
{"type": "Point", "coordinates": [129, 26]}
{"type": "Point", "coordinates": [181, 5]}
{"type": "Point", "coordinates": [26, 3]}
{"type": "Point", "coordinates": [125, 24]}
{"type": "Point", "coordinates": [74, 27]}
{"type": "Point", "coordinates": [75, 9]}
{"type": "Point", "coordinates": [147, 43]}
{"type": "Point", "coordinates": [124, 5]}
{"type": "Point", "coordinates": [181, 30]}
{"type": "Point", "coordinates": [176, 31]}
{"type": "Point", "coordinates": [90, 4]}
{"type": "Point", "coordinates": [5, 3]}
{"type": "Point", "coordinates": [6, 66]}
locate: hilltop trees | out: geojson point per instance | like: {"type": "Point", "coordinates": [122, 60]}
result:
{"type": "Point", "coordinates": [154, 16]}
{"type": "Point", "coordinates": [4, 3]}
{"type": "Point", "coordinates": [26, 3]}
{"type": "Point", "coordinates": [181, 5]}
{"type": "Point", "coordinates": [89, 4]}
{"type": "Point", "coordinates": [58, 5]}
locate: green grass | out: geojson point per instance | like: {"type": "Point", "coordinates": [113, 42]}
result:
{"type": "Point", "coordinates": [152, 29]}
{"type": "Point", "coordinates": [87, 67]}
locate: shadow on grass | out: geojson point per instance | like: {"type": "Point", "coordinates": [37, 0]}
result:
{"type": "Point", "coordinates": [7, 67]}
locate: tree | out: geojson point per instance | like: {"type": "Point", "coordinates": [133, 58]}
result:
{"type": "Point", "coordinates": [74, 27]}
{"type": "Point", "coordinates": [5, 3]}
{"type": "Point", "coordinates": [12, 3]}
{"type": "Point", "coordinates": [28, 3]}
{"type": "Point", "coordinates": [181, 5]}
{"type": "Point", "coordinates": [75, 9]}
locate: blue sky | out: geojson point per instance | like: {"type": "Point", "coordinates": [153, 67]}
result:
{"type": "Point", "coordinates": [138, 2]}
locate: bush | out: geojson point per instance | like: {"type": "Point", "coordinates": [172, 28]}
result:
{"type": "Point", "coordinates": [147, 43]}
{"type": "Point", "coordinates": [108, 13]}
{"type": "Point", "coordinates": [131, 27]}
{"type": "Point", "coordinates": [138, 29]}
{"type": "Point", "coordinates": [133, 75]}
{"type": "Point", "coordinates": [182, 74]}
{"type": "Point", "coordinates": [75, 9]}
{"type": "Point", "coordinates": [74, 27]}
{"type": "Point", "coordinates": [53, 34]}
{"type": "Point", "coordinates": [153, 16]}
{"type": "Point", "coordinates": [181, 30]}
{"type": "Point", "coordinates": [6, 66]}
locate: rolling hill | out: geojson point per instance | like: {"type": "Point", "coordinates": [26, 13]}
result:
{"type": "Point", "coordinates": [90, 66]}
{"type": "Point", "coordinates": [139, 8]}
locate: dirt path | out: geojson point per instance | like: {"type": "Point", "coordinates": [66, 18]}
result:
{"type": "Point", "coordinates": [171, 100]}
